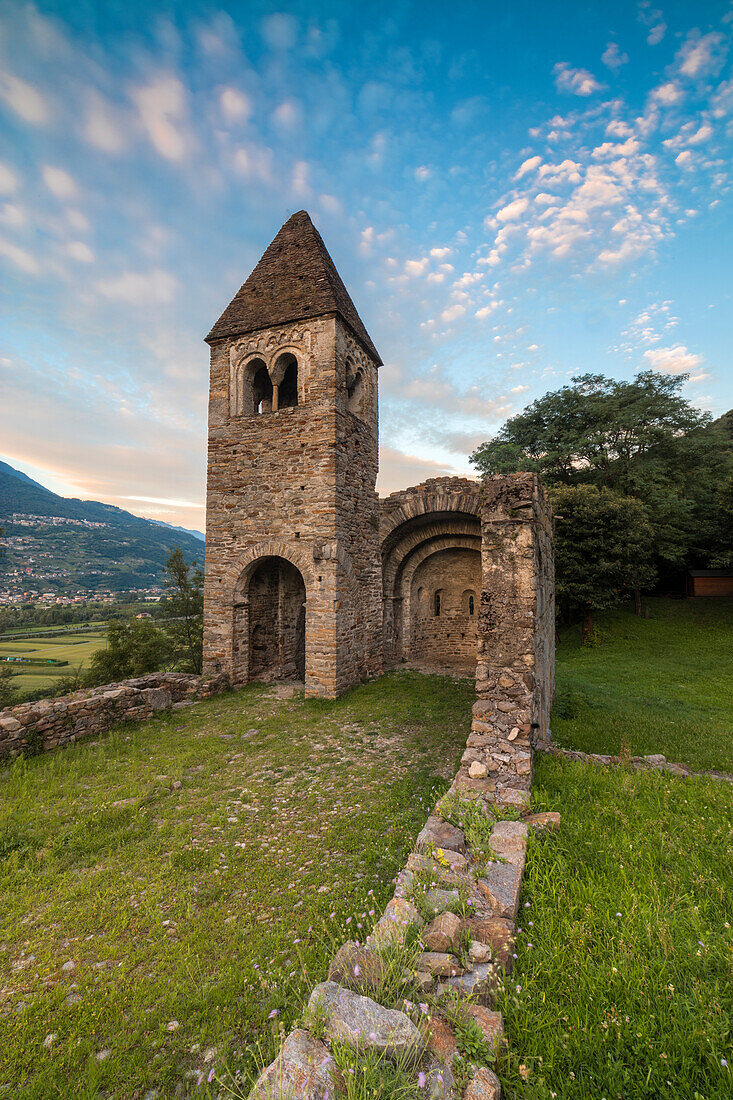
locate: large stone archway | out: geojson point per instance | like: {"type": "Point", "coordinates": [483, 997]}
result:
{"type": "Point", "coordinates": [431, 573]}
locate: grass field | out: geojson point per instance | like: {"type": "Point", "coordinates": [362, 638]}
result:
{"type": "Point", "coordinates": [77, 649]}
{"type": "Point", "coordinates": [153, 930]}
{"type": "Point", "coordinates": [661, 684]}
{"type": "Point", "coordinates": [622, 986]}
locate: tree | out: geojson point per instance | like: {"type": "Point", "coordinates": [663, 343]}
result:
{"type": "Point", "coordinates": [602, 549]}
{"type": "Point", "coordinates": [639, 439]}
{"type": "Point", "coordinates": [8, 692]}
{"type": "Point", "coordinates": [134, 647]}
{"type": "Point", "coordinates": [185, 610]}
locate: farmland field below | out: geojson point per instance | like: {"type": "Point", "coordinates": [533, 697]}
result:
{"type": "Point", "coordinates": [77, 649]}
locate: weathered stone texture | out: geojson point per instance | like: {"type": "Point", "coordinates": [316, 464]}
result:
{"type": "Point", "coordinates": [54, 723]}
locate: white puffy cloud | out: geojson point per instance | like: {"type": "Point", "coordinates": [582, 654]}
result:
{"type": "Point", "coordinates": [576, 81]}
{"type": "Point", "coordinates": [612, 57]}
{"type": "Point", "coordinates": [701, 54]}
{"type": "Point", "coordinates": [519, 389]}
{"type": "Point", "coordinates": [59, 182]}
{"type": "Point", "coordinates": [422, 173]}
{"type": "Point", "coordinates": [162, 111]}
{"type": "Point", "coordinates": [652, 18]}
{"type": "Point", "coordinates": [287, 114]}
{"type": "Point", "coordinates": [414, 268]}
{"type": "Point", "coordinates": [674, 360]}
{"type": "Point", "coordinates": [452, 313]}
{"type": "Point", "coordinates": [23, 98]}
{"type": "Point", "coordinates": [236, 106]}
{"type": "Point", "coordinates": [102, 127]}
{"type": "Point", "coordinates": [254, 162]}
{"type": "Point", "coordinates": [513, 210]}
{"type": "Point", "coordinates": [526, 166]}
{"type": "Point", "coordinates": [440, 253]}
{"type": "Point", "coordinates": [667, 94]}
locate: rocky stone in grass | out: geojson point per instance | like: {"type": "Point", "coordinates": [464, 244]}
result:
{"type": "Point", "coordinates": [549, 821]}
{"type": "Point", "coordinates": [356, 968]}
{"type": "Point", "coordinates": [437, 901]}
{"type": "Point", "coordinates": [443, 933]}
{"type": "Point", "coordinates": [484, 1085]}
{"type": "Point", "coordinates": [477, 770]}
{"type": "Point", "coordinates": [439, 963]}
{"type": "Point", "coordinates": [500, 886]}
{"type": "Point", "coordinates": [391, 929]}
{"type": "Point", "coordinates": [512, 796]}
{"type": "Point", "coordinates": [304, 1070]}
{"type": "Point", "coordinates": [474, 983]}
{"type": "Point", "coordinates": [491, 1023]}
{"type": "Point", "coordinates": [512, 832]}
{"type": "Point", "coordinates": [440, 1040]}
{"type": "Point", "coordinates": [479, 952]}
{"type": "Point", "coordinates": [456, 860]}
{"type": "Point", "coordinates": [362, 1024]}
{"type": "Point", "coordinates": [498, 934]}
{"type": "Point", "coordinates": [423, 981]}
{"type": "Point", "coordinates": [440, 834]}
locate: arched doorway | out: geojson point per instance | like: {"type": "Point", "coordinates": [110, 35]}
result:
{"type": "Point", "coordinates": [443, 606]}
{"type": "Point", "coordinates": [275, 625]}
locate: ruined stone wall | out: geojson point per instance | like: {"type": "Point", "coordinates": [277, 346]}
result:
{"type": "Point", "coordinates": [516, 640]}
{"type": "Point", "coordinates": [297, 483]}
{"type": "Point", "coordinates": [54, 723]}
{"type": "Point", "coordinates": [449, 637]}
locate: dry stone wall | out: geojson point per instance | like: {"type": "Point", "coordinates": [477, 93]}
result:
{"type": "Point", "coordinates": [55, 723]}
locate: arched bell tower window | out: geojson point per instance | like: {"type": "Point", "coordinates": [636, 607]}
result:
{"type": "Point", "coordinates": [262, 391]}
{"type": "Point", "coordinates": [285, 379]}
{"type": "Point", "coordinates": [469, 601]}
{"type": "Point", "coordinates": [438, 601]}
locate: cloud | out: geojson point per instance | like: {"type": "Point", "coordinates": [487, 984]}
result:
{"type": "Point", "coordinates": [701, 54]}
{"type": "Point", "coordinates": [287, 114]}
{"type": "Point", "coordinates": [612, 57]}
{"type": "Point", "coordinates": [667, 94]}
{"type": "Point", "coordinates": [414, 268]}
{"type": "Point", "coordinates": [526, 166]}
{"type": "Point", "coordinates": [519, 389]}
{"type": "Point", "coordinates": [398, 470]}
{"type": "Point", "coordinates": [652, 18]}
{"type": "Point", "coordinates": [23, 98]}
{"type": "Point", "coordinates": [9, 181]}
{"type": "Point", "coordinates": [161, 107]}
{"type": "Point", "coordinates": [512, 211]}
{"type": "Point", "coordinates": [675, 360]}
{"type": "Point", "coordinates": [422, 173]}
{"type": "Point", "coordinates": [236, 106]}
{"type": "Point", "coordinates": [575, 81]}
{"type": "Point", "coordinates": [80, 252]}
{"type": "Point", "coordinates": [452, 313]}
{"type": "Point", "coordinates": [19, 257]}
{"type": "Point", "coordinates": [254, 162]}
{"type": "Point", "coordinates": [101, 125]}
{"type": "Point", "coordinates": [59, 182]}
{"type": "Point", "coordinates": [440, 253]}
{"type": "Point", "coordinates": [140, 288]}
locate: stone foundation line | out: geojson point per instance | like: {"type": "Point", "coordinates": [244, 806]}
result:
{"type": "Point", "coordinates": [653, 762]}
{"type": "Point", "coordinates": [54, 723]}
{"type": "Point", "coordinates": [462, 958]}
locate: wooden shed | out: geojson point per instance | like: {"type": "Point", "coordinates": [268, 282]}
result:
{"type": "Point", "coordinates": [709, 582]}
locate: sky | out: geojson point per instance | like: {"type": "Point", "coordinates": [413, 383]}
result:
{"type": "Point", "coordinates": [513, 192]}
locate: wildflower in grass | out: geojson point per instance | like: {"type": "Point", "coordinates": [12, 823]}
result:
{"type": "Point", "coordinates": [526, 905]}
{"type": "Point", "coordinates": [210, 1078]}
{"type": "Point", "coordinates": [723, 1063]}
{"type": "Point", "coordinates": [421, 1080]}
{"type": "Point", "coordinates": [272, 1014]}
{"type": "Point", "coordinates": [357, 970]}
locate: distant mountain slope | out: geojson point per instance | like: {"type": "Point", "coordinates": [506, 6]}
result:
{"type": "Point", "coordinates": [84, 544]}
{"type": "Point", "coordinates": [186, 530]}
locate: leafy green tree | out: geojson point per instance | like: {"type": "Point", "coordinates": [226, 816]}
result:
{"type": "Point", "coordinates": [640, 439]}
{"type": "Point", "coordinates": [134, 647]}
{"type": "Point", "coordinates": [602, 550]}
{"type": "Point", "coordinates": [184, 607]}
{"type": "Point", "coordinates": [8, 692]}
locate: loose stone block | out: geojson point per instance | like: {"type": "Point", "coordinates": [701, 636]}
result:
{"type": "Point", "coordinates": [485, 1085]}
{"type": "Point", "coordinates": [491, 1023]}
{"type": "Point", "coordinates": [440, 834]}
{"type": "Point", "coordinates": [356, 968]}
{"type": "Point", "coordinates": [362, 1024]}
{"type": "Point", "coordinates": [548, 821]}
{"type": "Point", "coordinates": [443, 933]}
{"type": "Point", "coordinates": [440, 1040]}
{"type": "Point", "coordinates": [391, 928]}
{"type": "Point", "coordinates": [496, 933]}
{"type": "Point", "coordinates": [304, 1070]}
{"type": "Point", "coordinates": [440, 964]}
{"type": "Point", "coordinates": [500, 886]}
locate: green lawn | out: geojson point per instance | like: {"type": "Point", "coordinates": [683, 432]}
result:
{"type": "Point", "coordinates": [77, 649]}
{"type": "Point", "coordinates": [661, 684]}
{"type": "Point", "coordinates": [622, 988]}
{"type": "Point", "coordinates": [189, 915]}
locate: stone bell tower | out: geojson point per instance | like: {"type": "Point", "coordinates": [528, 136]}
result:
{"type": "Point", "coordinates": [293, 577]}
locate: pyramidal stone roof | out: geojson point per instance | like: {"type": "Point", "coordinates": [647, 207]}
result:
{"type": "Point", "coordinates": [295, 279]}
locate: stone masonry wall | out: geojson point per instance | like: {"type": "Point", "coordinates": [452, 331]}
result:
{"type": "Point", "coordinates": [516, 640]}
{"type": "Point", "coordinates": [55, 723]}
